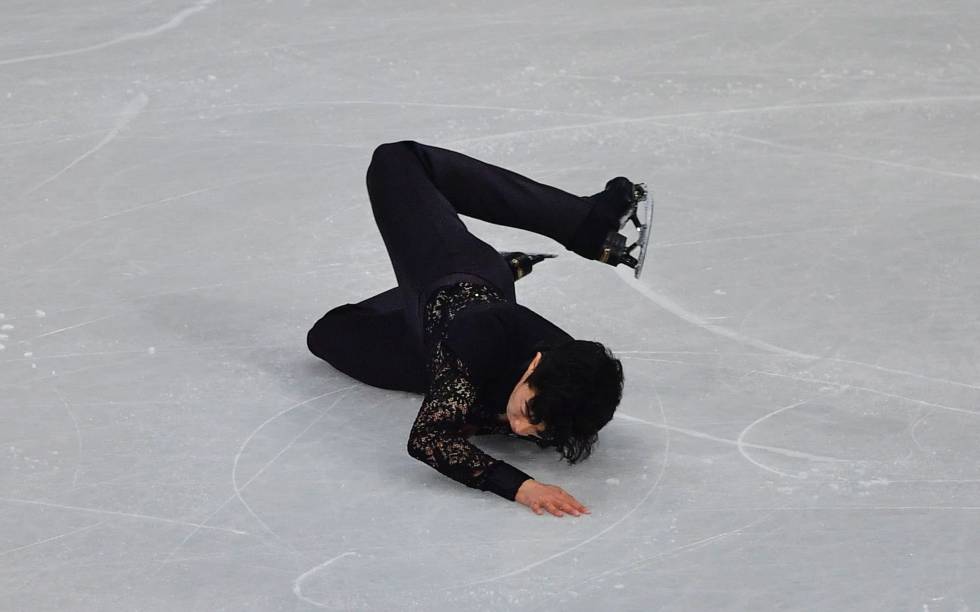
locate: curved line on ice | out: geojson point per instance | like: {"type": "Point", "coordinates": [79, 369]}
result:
{"type": "Point", "coordinates": [818, 381]}
{"type": "Point", "coordinates": [241, 449]}
{"type": "Point", "coordinates": [610, 527]}
{"type": "Point", "coordinates": [174, 22]}
{"type": "Point", "coordinates": [234, 470]}
{"type": "Point", "coordinates": [682, 313]}
{"type": "Point", "coordinates": [298, 582]}
{"type": "Point", "coordinates": [740, 442]}
{"type": "Point", "coordinates": [693, 433]}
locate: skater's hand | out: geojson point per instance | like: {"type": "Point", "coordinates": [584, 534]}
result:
{"type": "Point", "coordinates": [540, 497]}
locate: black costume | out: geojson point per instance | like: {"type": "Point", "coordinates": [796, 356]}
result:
{"type": "Point", "coordinates": [452, 328]}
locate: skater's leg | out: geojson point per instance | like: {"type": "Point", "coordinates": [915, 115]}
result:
{"type": "Point", "coordinates": [370, 341]}
{"type": "Point", "coordinates": [427, 243]}
{"type": "Point", "coordinates": [490, 193]}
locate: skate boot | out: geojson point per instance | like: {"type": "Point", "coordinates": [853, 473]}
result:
{"type": "Point", "coordinates": [521, 263]}
{"type": "Point", "coordinates": [620, 202]}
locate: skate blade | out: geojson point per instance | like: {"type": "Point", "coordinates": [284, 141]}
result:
{"type": "Point", "coordinates": [646, 204]}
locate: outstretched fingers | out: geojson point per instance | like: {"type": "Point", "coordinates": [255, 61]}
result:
{"type": "Point", "coordinates": [560, 506]}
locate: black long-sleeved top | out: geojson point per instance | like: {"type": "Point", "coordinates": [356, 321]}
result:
{"type": "Point", "coordinates": [479, 345]}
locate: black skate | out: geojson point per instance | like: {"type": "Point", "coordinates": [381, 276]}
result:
{"type": "Point", "coordinates": [598, 235]}
{"type": "Point", "coordinates": [521, 263]}
{"type": "Point", "coordinates": [614, 250]}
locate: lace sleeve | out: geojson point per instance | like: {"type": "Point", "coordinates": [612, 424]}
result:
{"type": "Point", "coordinates": [438, 439]}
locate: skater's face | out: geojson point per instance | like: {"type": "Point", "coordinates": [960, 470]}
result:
{"type": "Point", "coordinates": [517, 409]}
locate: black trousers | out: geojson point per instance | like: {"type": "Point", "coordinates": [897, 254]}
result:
{"type": "Point", "coordinates": [417, 193]}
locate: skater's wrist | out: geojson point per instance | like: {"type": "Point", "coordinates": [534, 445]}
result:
{"type": "Point", "coordinates": [524, 491]}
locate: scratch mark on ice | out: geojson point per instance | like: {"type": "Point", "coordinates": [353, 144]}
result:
{"type": "Point", "coordinates": [78, 436]}
{"type": "Point", "coordinates": [741, 438]}
{"type": "Point", "coordinates": [682, 313]}
{"type": "Point", "coordinates": [145, 517]}
{"type": "Point", "coordinates": [705, 436]}
{"type": "Point", "coordinates": [241, 450]}
{"type": "Point", "coordinates": [63, 329]}
{"type": "Point", "coordinates": [174, 22]}
{"type": "Point", "coordinates": [134, 108]}
{"type": "Point", "coordinates": [298, 582]}
{"type": "Point", "coordinates": [234, 471]}
{"type": "Point", "coordinates": [52, 538]}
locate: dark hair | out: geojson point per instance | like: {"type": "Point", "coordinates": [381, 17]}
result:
{"type": "Point", "coordinates": [577, 386]}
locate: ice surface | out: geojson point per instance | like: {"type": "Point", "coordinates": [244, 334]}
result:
{"type": "Point", "coordinates": [183, 196]}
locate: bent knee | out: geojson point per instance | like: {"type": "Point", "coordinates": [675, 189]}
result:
{"type": "Point", "coordinates": [391, 149]}
{"type": "Point", "coordinates": [324, 338]}
{"type": "Point", "coordinates": [390, 154]}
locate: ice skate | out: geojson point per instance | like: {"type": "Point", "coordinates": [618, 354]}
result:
{"type": "Point", "coordinates": [614, 249]}
{"type": "Point", "coordinates": [522, 263]}
{"type": "Point", "coordinates": [619, 203]}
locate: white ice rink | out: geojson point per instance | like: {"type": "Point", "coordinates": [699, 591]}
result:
{"type": "Point", "coordinates": [182, 196]}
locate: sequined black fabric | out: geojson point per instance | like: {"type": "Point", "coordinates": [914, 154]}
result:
{"type": "Point", "coordinates": [447, 416]}
{"type": "Point", "coordinates": [448, 301]}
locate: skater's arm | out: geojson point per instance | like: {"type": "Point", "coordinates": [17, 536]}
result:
{"type": "Point", "coordinates": [437, 437]}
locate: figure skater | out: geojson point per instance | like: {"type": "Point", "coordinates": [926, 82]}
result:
{"type": "Point", "coordinates": [453, 331]}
